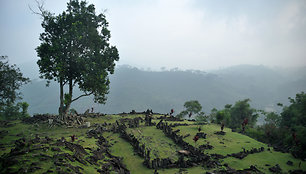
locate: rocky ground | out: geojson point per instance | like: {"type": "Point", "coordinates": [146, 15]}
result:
{"type": "Point", "coordinates": [133, 143]}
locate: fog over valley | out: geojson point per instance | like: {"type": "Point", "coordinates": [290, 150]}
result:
{"type": "Point", "coordinates": [133, 88]}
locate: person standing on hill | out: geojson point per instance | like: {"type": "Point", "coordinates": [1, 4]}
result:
{"type": "Point", "coordinates": [294, 137]}
{"type": "Point", "coordinates": [195, 139]}
{"type": "Point", "coordinates": [244, 123]}
{"type": "Point", "coordinates": [171, 112]}
{"type": "Point", "coordinates": [222, 126]}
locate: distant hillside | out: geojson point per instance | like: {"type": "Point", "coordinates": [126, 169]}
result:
{"type": "Point", "coordinates": [132, 88]}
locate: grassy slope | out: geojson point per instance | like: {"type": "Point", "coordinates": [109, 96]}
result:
{"type": "Point", "coordinates": [233, 142]}
{"type": "Point", "coordinates": [29, 131]}
{"type": "Point", "coordinates": [154, 139]}
{"type": "Point", "coordinates": [133, 161]}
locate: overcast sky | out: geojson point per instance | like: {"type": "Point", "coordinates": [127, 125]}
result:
{"type": "Point", "coordinates": [189, 34]}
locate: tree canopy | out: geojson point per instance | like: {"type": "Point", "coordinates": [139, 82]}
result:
{"type": "Point", "coordinates": [295, 114]}
{"type": "Point", "coordinates": [240, 111]}
{"type": "Point", "coordinates": [286, 130]}
{"type": "Point", "coordinates": [75, 50]}
{"type": "Point", "coordinates": [233, 115]}
{"type": "Point", "coordinates": [191, 107]}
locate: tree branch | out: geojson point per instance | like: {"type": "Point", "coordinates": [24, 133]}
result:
{"type": "Point", "coordinates": [74, 83]}
{"type": "Point", "coordinates": [40, 6]}
{"type": "Point", "coordinates": [65, 82]}
{"type": "Point", "coordinates": [83, 95]}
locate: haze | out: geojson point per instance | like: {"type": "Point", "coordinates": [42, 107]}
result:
{"type": "Point", "coordinates": [188, 34]}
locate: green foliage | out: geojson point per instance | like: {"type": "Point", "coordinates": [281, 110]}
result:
{"type": "Point", "coordinates": [9, 112]}
{"type": "Point", "coordinates": [201, 118]}
{"type": "Point", "coordinates": [295, 114]}
{"type": "Point", "coordinates": [155, 140]}
{"type": "Point", "coordinates": [182, 114]}
{"type": "Point", "coordinates": [75, 50]}
{"type": "Point", "coordinates": [233, 116]}
{"type": "Point", "coordinates": [219, 116]}
{"type": "Point", "coordinates": [273, 118]}
{"type": "Point", "coordinates": [73, 111]}
{"type": "Point", "coordinates": [256, 133]}
{"type": "Point", "coordinates": [299, 149]}
{"type": "Point", "coordinates": [11, 79]}
{"type": "Point", "coordinates": [213, 115]}
{"type": "Point", "coordinates": [223, 116]}
{"type": "Point", "coordinates": [67, 99]}
{"type": "Point", "coordinates": [12, 112]}
{"type": "Point", "coordinates": [193, 107]}
{"type": "Point", "coordinates": [240, 111]}
{"type": "Point", "coordinates": [24, 109]}
{"type": "Point", "coordinates": [293, 120]}
{"type": "Point", "coordinates": [281, 129]}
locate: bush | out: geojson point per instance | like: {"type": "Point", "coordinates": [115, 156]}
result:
{"type": "Point", "coordinates": [201, 118]}
{"type": "Point", "coordinates": [256, 133]}
{"type": "Point", "coordinates": [13, 112]}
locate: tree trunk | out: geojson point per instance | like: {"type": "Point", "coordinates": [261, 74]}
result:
{"type": "Point", "coordinates": [61, 108]}
{"type": "Point", "coordinates": [68, 103]}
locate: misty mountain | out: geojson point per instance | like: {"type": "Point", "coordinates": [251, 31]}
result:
{"type": "Point", "coordinates": [132, 88]}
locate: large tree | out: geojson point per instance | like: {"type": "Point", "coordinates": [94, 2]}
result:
{"type": "Point", "coordinates": [191, 107]}
{"type": "Point", "coordinates": [295, 114]}
{"type": "Point", "coordinates": [75, 50]}
{"type": "Point", "coordinates": [241, 111]}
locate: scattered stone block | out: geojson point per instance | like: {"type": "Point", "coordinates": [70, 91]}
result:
{"type": "Point", "coordinates": [290, 163]}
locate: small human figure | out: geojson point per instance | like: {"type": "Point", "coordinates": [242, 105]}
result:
{"type": "Point", "coordinates": [63, 139]}
{"type": "Point", "coordinates": [92, 109]}
{"type": "Point", "coordinates": [72, 138]}
{"type": "Point", "coordinates": [222, 126]}
{"type": "Point", "coordinates": [294, 137]}
{"type": "Point", "coordinates": [195, 139]}
{"type": "Point", "coordinates": [245, 121]}
{"type": "Point", "coordinates": [199, 129]}
{"type": "Point", "coordinates": [190, 114]}
{"type": "Point", "coordinates": [243, 127]}
{"type": "Point", "coordinates": [300, 164]}
{"type": "Point", "coordinates": [171, 112]}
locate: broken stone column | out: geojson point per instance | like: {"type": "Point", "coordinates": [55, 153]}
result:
{"type": "Point", "coordinates": [87, 124]}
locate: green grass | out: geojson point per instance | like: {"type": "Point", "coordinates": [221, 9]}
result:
{"type": "Point", "coordinates": [155, 140]}
{"type": "Point", "coordinates": [102, 119]}
{"type": "Point", "coordinates": [29, 132]}
{"type": "Point", "coordinates": [192, 170]}
{"type": "Point", "coordinates": [263, 158]}
{"type": "Point", "coordinates": [160, 146]}
{"type": "Point", "coordinates": [123, 149]}
{"type": "Point", "coordinates": [133, 162]}
{"type": "Point", "coordinates": [233, 142]}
